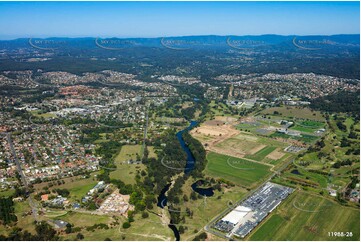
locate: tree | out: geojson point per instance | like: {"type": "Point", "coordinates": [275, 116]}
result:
{"type": "Point", "coordinates": [80, 236]}
{"type": "Point", "coordinates": [193, 195]}
{"type": "Point", "coordinates": [126, 225]}
{"type": "Point", "coordinates": [45, 231]}
{"type": "Point", "coordinates": [145, 215]}
{"type": "Point", "coordinates": [68, 229]}
{"type": "Point", "coordinates": [201, 236]}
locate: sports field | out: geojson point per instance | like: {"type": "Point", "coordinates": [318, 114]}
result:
{"type": "Point", "coordinates": [304, 216]}
{"type": "Point", "coordinates": [239, 171]}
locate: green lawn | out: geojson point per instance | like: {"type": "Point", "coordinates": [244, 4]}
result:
{"type": "Point", "coordinates": [81, 189]}
{"type": "Point", "coordinates": [241, 172]}
{"type": "Point", "coordinates": [304, 216]}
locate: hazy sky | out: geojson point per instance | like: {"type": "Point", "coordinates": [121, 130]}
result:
{"type": "Point", "coordinates": [156, 19]}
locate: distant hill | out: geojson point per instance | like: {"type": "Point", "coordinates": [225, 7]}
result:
{"type": "Point", "coordinates": [206, 56]}
{"type": "Point", "coordinates": [206, 41]}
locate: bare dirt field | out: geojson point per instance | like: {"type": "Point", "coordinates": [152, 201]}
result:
{"type": "Point", "coordinates": [275, 155]}
{"type": "Point", "coordinates": [221, 120]}
{"type": "Point", "coordinates": [256, 149]}
{"type": "Point", "coordinates": [211, 134]}
{"type": "Point", "coordinates": [210, 130]}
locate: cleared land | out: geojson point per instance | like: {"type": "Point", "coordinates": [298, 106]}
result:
{"type": "Point", "coordinates": [275, 155]}
{"type": "Point", "coordinates": [239, 171]}
{"type": "Point", "coordinates": [309, 217]}
{"type": "Point", "coordinates": [249, 146]}
{"type": "Point", "coordinates": [141, 229]}
{"type": "Point", "coordinates": [213, 132]}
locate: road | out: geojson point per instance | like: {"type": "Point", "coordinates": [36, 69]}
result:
{"type": "Point", "coordinates": [145, 129]}
{"type": "Point", "coordinates": [22, 176]}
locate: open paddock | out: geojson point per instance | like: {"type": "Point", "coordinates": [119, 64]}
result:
{"type": "Point", "coordinates": [308, 217]}
{"type": "Point", "coordinates": [239, 171]}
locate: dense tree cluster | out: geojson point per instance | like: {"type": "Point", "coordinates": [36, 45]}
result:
{"type": "Point", "coordinates": [7, 215]}
{"type": "Point", "coordinates": [198, 152]}
{"type": "Point", "coordinates": [44, 232]}
{"type": "Point", "coordinates": [347, 102]}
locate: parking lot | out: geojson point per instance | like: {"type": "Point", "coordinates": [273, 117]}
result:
{"type": "Point", "coordinates": [247, 215]}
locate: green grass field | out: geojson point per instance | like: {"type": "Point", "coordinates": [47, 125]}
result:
{"type": "Point", "coordinates": [128, 152]}
{"type": "Point", "coordinates": [304, 137]}
{"type": "Point", "coordinates": [38, 113]}
{"type": "Point", "coordinates": [304, 216]}
{"type": "Point", "coordinates": [308, 126]}
{"type": "Point", "coordinates": [295, 112]}
{"type": "Point", "coordinates": [80, 189]}
{"type": "Point", "coordinates": [260, 155]}
{"type": "Point", "coordinates": [241, 172]}
{"type": "Point", "coordinates": [77, 186]}
{"type": "Point", "coordinates": [124, 171]}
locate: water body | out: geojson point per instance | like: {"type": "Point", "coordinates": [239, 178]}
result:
{"type": "Point", "coordinates": [190, 158]}
{"type": "Point", "coordinates": [208, 192]}
{"type": "Point", "coordinates": [175, 230]}
{"type": "Point", "coordinates": [190, 164]}
{"type": "Point", "coordinates": [296, 172]}
{"type": "Point", "coordinates": [162, 198]}
{"type": "Point", "coordinates": [162, 202]}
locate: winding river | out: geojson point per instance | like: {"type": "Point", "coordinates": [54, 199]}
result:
{"type": "Point", "coordinates": [190, 164]}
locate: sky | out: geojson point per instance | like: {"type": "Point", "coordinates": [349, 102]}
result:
{"type": "Point", "coordinates": [161, 19]}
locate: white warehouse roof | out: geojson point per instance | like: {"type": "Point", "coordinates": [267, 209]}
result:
{"type": "Point", "coordinates": [236, 214]}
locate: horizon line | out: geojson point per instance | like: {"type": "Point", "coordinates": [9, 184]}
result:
{"type": "Point", "coordinates": [174, 36]}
